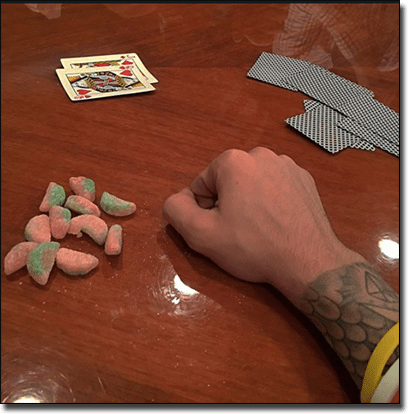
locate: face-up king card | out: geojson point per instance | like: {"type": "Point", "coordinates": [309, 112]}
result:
{"type": "Point", "coordinates": [85, 84]}
{"type": "Point", "coordinates": [120, 60]}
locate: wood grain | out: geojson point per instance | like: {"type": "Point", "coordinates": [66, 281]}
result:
{"type": "Point", "coordinates": [160, 323]}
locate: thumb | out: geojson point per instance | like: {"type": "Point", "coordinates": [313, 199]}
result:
{"type": "Point", "coordinates": [195, 224]}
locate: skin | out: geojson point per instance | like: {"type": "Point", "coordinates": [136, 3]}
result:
{"type": "Point", "coordinates": [258, 215]}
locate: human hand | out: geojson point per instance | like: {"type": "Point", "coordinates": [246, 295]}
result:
{"type": "Point", "coordinates": [259, 216]}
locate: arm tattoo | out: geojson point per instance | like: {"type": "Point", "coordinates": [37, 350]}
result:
{"type": "Point", "coordinates": [353, 307]}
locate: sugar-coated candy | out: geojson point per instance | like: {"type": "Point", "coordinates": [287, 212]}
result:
{"type": "Point", "coordinates": [59, 221]}
{"type": "Point", "coordinates": [82, 205]}
{"type": "Point", "coordinates": [83, 187]}
{"type": "Point", "coordinates": [113, 243]}
{"type": "Point", "coordinates": [75, 263]}
{"type": "Point", "coordinates": [92, 225]}
{"type": "Point", "coordinates": [16, 258]}
{"type": "Point", "coordinates": [55, 195]}
{"type": "Point", "coordinates": [38, 229]}
{"type": "Point", "coordinates": [116, 206]}
{"type": "Point", "coordinates": [41, 260]}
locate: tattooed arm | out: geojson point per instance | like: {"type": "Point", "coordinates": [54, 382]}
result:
{"type": "Point", "coordinates": [259, 216]}
{"type": "Point", "coordinates": [353, 307]}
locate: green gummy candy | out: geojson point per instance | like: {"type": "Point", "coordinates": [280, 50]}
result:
{"type": "Point", "coordinates": [80, 205]}
{"type": "Point", "coordinates": [111, 204]}
{"type": "Point", "coordinates": [66, 214]}
{"type": "Point", "coordinates": [40, 261]}
{"type": "Point", "coordinates": [89, 185]}
{"type": "Point", "coordinates": [57, 195]}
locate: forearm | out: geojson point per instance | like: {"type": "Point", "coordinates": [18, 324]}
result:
{"type": "Point", "coordinates": [353, 307]}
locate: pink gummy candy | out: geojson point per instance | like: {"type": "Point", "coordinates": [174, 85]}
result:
{"type": "Point", "coordinates": [38, 229]}
{"type": "Point", "coordinates": [55, 195]}
{"type": "Point", "coordinates": [82, 206]}
{"type": "Point", "coordinates": [59, 221]}
{"type": "Point", "coordinates": [113, 244]}
{"type": "Point", "coordinates": [94, 226]}
{"type": "Point", "coordinates": [16, 258]}
{"type": "Point", "coordinates": [75, 263]}
{"type": "Point", "coordinates": [83, 187]}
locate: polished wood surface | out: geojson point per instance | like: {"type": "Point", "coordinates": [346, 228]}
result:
{"type": "Point", "coordinates": [160, 323]}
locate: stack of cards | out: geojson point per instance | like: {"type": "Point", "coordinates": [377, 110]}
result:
{"type": "Point", "coordinates": [344, 114]}
{"type": "Point", "coordinates": [104, 76]}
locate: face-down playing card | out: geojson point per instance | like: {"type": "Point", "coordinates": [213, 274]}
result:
{"type": "Point", "coordinates": [361, 144]}
{"type": "Point", "coordinates": [374, 116]}
{"type": "Point", "coordinates": [327, 87]}
{"type": "Point", "coordinates": [85, 84]}
{"type": "Point", "coordinates": [320, 125]}
{"type": "Point", "coordinates": [352, 126]}
{"type": "Point", "coordinates": [274, 69]}
{"type": "Point", "coordinates": [104, 61]}
{"type": "Point", "coordinates": [310, 104]}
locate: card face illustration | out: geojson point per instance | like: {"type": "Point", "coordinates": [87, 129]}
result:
{"type": "Point", "coordinates": [85, 84]}
{"type": "Point", "coordinates": [121, 61]}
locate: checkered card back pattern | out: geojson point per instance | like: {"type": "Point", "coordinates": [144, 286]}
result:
{"type": "Point", "coordinates": [350, 125]}
{"type": "Point", "coordinates": [274, 69]}
{"type": "Point", "coordinates": [320, 125]}
{"type": "Point", "coordinates": [375, 116]}
{"type": "Point", "coordinates": [336, 100]}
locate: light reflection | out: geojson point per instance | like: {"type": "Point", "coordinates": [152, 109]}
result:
{"type": "Point", "coordinates": [389, 248]}
{"type": "Point", "coordinates": [27, 399]}
{"type": "Point", "coordinates": [183, 288]}
{"type": "Point", "coordinates": [26, 393]}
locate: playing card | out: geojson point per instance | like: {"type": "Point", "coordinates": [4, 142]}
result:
{"type": "Point", "coordinates": [83, 84]}
{"type": "Point", "coordinates": [320, 125]}
{"type": "Point", "coordinates": [335, 98]}
{"type": "Point", "coordinates": [120, 60]}
{"type": "Point", "coordinates": [327, 87]}
{"type": "Point", "coordinates": [350, 125]}
{"type": "Point", "coordinates": [274, 69]}
{"type": "Point", "coordinates": [375, 116]}
{"type": "Point", "coordinates": [310, 104]}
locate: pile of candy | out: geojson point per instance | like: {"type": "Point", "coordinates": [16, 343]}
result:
{"type": "Point", "coordinates": [39, 253]}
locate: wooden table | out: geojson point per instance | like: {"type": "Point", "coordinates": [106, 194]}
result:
{"type": "Point", "coordinates": [160, 323]}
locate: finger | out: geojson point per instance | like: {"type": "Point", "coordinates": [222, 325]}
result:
{"type": "Point", "coordinates": [204, 188]}
{"type": "Point", "coordinates": [218, 177]}
{"type": "Point", "coordinates": [192, 222]}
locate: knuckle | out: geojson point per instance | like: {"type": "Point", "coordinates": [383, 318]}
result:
{"type": "Point", "coordinates": [307, 175]}
{"type": "Point", "coordinates": [261, 151]}
{"type": "Point", "coordinates": [233, 154]}
{"type": "Point", "coordinates": [287, 159]}
{"type": "Point", "coordinates": [230, 159]}
{"type": "Point", "coordinates": [170, 201]}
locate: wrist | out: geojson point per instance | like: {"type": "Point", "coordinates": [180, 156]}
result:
{"type": "Point", "coordinates": [353, 307]}
{"type": "Point", "coordinates": [300, 273]}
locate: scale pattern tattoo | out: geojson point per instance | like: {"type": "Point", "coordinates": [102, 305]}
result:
{"type": "Point", "coordinates": [353, 307]}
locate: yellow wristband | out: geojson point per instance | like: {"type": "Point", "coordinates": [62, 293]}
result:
{"type": "Point", "coordinates": [377, 362]}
